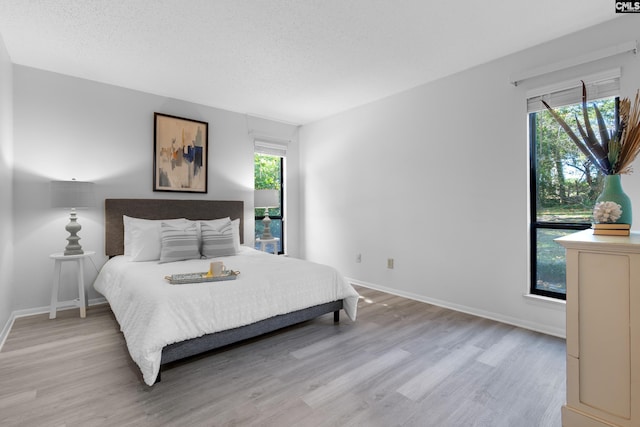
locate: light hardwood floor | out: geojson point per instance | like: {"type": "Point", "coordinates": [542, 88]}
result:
{"type": "Point", "coordinates": [402, 363]}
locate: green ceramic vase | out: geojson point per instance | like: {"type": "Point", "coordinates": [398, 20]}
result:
{"type": "Point", "coordinates": [612, 192]}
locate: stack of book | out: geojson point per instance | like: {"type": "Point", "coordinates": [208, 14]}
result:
{"type": "Point", "coordinates": [611, 229]}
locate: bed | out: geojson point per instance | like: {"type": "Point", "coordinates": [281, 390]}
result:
{"type": "Point", "coordinates": [163, 323]}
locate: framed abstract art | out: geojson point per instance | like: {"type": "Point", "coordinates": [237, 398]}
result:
{"type": "Point", "coordinates": [180, 152]}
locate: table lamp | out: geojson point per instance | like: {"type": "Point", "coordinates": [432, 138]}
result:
{"type": "Point", "coordinates": [72, 195]}
{"type": "Point", "coordinates": [266, 199]}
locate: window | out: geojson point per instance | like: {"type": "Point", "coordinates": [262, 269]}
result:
{"type": "Point", "coordinates": [268, 175]}
{"type": "Point", "coordinates": [564, 184]}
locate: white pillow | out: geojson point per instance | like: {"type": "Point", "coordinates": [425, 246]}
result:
{"type": "Point", "coordinates": [217, 241]}
{"type": "Point", "coordinates": [179, 242]}
{"type": "Point", "coordinates": [142, 237]}
{"type": "Point", "coordinates": [145, 243]}
{"type": "Point", "coordinates": [235, 224]}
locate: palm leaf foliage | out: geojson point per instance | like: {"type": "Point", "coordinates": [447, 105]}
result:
{"type": "Point", "coordinates": [612, 152]}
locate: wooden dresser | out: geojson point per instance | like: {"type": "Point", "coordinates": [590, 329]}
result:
{"type": "Point", "coordinates": [603, 330]}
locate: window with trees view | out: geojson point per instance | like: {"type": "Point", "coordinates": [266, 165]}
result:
{"type": "Point", "coordinates": [564, 187]}
{"type": "Point", "coordinates": [268, 175]}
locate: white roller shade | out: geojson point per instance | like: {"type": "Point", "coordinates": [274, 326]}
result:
{"type": "Point", "coordinates": [603, 85]}
{"type": "Point", "coordinates": [271, 147]}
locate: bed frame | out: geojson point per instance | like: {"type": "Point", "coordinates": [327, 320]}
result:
{"type": "Point", "coordinates": [199, 210]}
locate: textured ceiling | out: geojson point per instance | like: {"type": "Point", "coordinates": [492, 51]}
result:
{"type": "Point", "coordinates": [291, 60]}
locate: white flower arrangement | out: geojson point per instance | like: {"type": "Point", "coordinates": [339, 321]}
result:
{"type": "Point", "coordinates": [607, 212]}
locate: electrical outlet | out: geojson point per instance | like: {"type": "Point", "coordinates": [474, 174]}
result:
{"type": "Point", "coordinates": [390, 263]}
{"type": "Point", "coordinates": [358, 258]}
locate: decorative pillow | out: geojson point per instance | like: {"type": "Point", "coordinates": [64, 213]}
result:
{"type": "Point", "coordinates": [178, 243]}
{"type": "Point", "coordinates": [235, 228]}
{"type": "Point", "coordinates": [142, 237]}
{"type": "Point", "coordinates": [215, 223]}
{"type": "Point", "coordinates": [217, 241]}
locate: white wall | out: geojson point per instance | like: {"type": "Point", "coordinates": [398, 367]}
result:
{"type": "Point", "coordinates": [66, 127]}
{"type": "Point", "coordinates": [6, 188]}
{"type": "Point", "coordinates": [437, 178]}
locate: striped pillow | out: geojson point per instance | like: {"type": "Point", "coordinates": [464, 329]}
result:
{"type": "Point", "coordinates": [217, 241]}
{"type": "Point", "coordinates": [179, 243]}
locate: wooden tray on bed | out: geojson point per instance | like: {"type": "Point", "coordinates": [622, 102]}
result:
{"type": "Point", "coordinates": [183, 278]}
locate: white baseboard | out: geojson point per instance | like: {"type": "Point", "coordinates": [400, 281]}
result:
{"type": "Point", "coordinates": [533, 326]}
{"type": "Point", "coordinates": [39, 310]}
{"type": "Point", "coordinates": [5, 331]}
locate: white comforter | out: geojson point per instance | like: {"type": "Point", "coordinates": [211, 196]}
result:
{"type": "Point", "coordinates": [153, 313]}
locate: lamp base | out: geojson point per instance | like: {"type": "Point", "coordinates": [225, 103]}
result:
{"type": "Point", "coordinates": [73, 247]}
{"type": "Point", "coordinates": [266, 233]}
{"type": "Point", "coordinates": [73, 251]}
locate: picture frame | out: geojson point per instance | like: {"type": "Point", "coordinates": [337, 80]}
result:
{"type": "Point", "coordinates": [180, 154]}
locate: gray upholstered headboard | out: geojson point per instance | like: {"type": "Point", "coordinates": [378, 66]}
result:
{"type": "Point", "coordinates": [163, 209]}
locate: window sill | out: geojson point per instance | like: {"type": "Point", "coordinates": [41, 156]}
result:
{"type": "Point", "coordinates": [547, 300]}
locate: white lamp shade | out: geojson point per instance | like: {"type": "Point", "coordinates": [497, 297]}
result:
{"type": "Point", "coordinates": [72, 194]}
{"type": "Point", "coordinates": [266, 198]}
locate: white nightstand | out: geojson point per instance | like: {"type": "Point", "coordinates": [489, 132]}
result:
{"type": "Point", "coordinates": [59, 258]}
{"type": "Point", "coordinates": [264, 242]}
